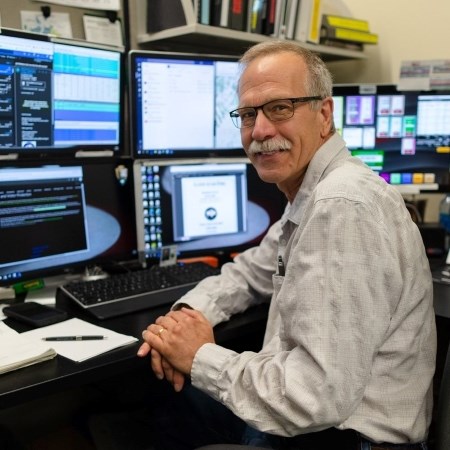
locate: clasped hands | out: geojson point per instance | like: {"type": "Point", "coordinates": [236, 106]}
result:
{"type": "Point", "coordinates": [172, 342]}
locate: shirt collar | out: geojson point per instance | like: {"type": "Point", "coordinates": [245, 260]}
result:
{"type": "Point", "coordinates": [333, 149]}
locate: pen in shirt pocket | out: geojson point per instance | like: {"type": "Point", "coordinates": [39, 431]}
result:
{"type": "Point", "coordinates": [280, 266]}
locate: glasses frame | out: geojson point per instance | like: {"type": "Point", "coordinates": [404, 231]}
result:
{"type": "Point", "coordinates": [235, 113]}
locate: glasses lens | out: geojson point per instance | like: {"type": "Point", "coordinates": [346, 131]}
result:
{"type": "Point", "coordinates": [279, 110]}
{"type": "Point", "coordinates": [243, 117]}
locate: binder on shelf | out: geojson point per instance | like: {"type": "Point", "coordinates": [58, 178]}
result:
{"type": "Point", "coordinates": [315, 20]}
{"type": "Point", "coordinates": [202, 11]}
{"type": "Point", "coordinates": [345, 34]}
{"type": "Point", "coordinates": [351, 23]}
{"type": "Point", "coordinates": [216, 11]}
{"type": "Point", "coordinates": [237, 19]}
{"type": "Point", "coordinates": [269, 26]}
{"type": "Point", "coordinates": [164, 14]}
{"type": "Point", "coordinates": [224, 13]}
{"type": "Point", "coordinates": [347, 45]}
{"type": "Point", "coordinates": [257, 16]}
{"type": "Point", "coordinates": [280, 11]}
{"type": "Point", "coordinates": [302, 20]}
{"type": "Point", "coordinates": [290, 18]}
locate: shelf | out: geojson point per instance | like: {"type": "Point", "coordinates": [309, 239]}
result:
{"type": "Point", "coordinates": [204, 38]}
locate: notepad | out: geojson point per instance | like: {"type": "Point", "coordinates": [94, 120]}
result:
{"type": "Point", "coordinates": [17, 350]}
{"type": "Point", "coordinates": [80, 350]}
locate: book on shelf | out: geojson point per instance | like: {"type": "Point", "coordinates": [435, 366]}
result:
{"type": "Point", "coordinates": [164, 14]}
{"type": "Point", "coordinates": [18, 351]}
{"type": "Point", "coordinates": [308, 17]}
{"type": "Point", "coordinates": [202, 11]}
{"type": "Point", "coordinates": [216, 11]}
{"type": "Point", "coordinates": [347, 45]}
{"type": "Point", "coordinates": [346, 34]}
{"type": "Point", "coordinates": [329, 20]}
{"type": "Point", "coordinates": [302, 20]}
{"type": "Point", "coordinates": [269, 25]}
{"type": "Point", "coordinates": [224, 13]}
{"type": "Point", "coordinates": [280, 11]}
{"type": "Point", "coordinates": [237, 19]}
{"type": "Point", "coordinates": [258, 13]}
{"type": "Point", "coordinates": [290, 19]}
{"type": "Point", "coordinates": [315, 20]}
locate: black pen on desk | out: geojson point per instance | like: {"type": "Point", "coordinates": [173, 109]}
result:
{"type": "Point", "coordinates": [74, 338]}
{"type": "Point", "coordinates": [280, 266]}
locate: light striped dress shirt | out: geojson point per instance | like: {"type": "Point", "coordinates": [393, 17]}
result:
{"type": "Point", "coordinates": [350, 340]}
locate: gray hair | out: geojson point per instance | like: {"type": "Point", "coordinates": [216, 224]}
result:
{"type": "Point", "coordinates": [318, 80]}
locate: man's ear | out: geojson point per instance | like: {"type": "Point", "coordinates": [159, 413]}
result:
{"type": "Point", "coordinates": [326, 111]}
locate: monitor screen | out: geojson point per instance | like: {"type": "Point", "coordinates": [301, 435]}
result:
{"type": "Point", "coordinates": [204, 207]}
{"type": "Point", "coordinates": [180, 104]}
{"type": "Point", "coordinates": [57, 218]}
{"type": "Point", "coordinates": [402, 135]}
{"type": "Point", "coordinates": [58, 96]}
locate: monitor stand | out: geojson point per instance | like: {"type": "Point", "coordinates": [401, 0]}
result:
{"type": "Point", "coordinates": [47, 295]}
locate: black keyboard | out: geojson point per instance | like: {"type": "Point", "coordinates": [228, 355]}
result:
{"type": "Point", "coordinates": [441, 274]}
{"type": "Point", "coordinates": [133, 291]}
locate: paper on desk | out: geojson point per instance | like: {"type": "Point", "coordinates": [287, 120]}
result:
{"type": "Point", "coordinates": [80, 350]}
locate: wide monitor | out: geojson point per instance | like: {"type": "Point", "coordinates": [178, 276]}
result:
{"type": "Point", "coordinates": [203, 207]}
{"type": "Point", "coordinates": [59, 96]}
{"type": "Point", "coordinates": [58, 219]}
{"type": "Point", "coordinates": [179, 105]}
{"type": "Point", "coordinates": [402, 135]}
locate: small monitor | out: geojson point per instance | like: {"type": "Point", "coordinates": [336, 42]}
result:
{"type": "Point", "coordinates": [179, 105]}
{"type": "Point", "coordinates": [59, 96]}
{"type": "Point", "coordinates": [402, 135]}
{"type": "Point", "coordinates": [60, 218]}
{"type": "Point", "coordinates": [204, 207]}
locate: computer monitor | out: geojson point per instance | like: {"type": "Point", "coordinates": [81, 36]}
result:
{"type": "Point", "coordinates": [203, 207]}
{"type": "Point", "coordinates": [59, 96]}
{"type": "Point", "coordinates": [179, 105]}
{"type": "Point", "coordinates": [402, 135]}
{"type": "Point", "coordinates": [58, 219]}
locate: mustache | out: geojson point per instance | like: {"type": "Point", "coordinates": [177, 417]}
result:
{"type": "Point", "coordinates": [271, 145]}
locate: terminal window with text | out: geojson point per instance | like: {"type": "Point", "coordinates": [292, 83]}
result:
{"type": "Point", "coordinates": [402, 135]}
{"type": "Point", "coordinates": [58, 95]}
{"type": "Point", "coordinates": [54, 218]}
{"type": "Point", "coordinates": [202, 207]}
{"type": "Point", "coordinates": [180, 104]}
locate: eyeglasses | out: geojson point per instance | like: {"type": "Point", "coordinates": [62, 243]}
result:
{"type": "Point", "coordinates": [275, 110]}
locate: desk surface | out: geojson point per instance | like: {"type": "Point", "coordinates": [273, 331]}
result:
{"type": "Point", "coordinates": [60, 373]}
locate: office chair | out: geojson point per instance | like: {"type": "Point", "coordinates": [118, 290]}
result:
{"type": "Point", "coordinates": [442, 438]}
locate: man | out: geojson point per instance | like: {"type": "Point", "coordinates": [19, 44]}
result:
{"type": "Point", "coordinates": [349, 351]}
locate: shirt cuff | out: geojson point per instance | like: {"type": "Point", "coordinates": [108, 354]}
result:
{"type": "Point", "coordinates": [207, 368]}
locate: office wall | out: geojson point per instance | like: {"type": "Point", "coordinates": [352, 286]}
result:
{"type": "Point", "coordinates": [407, 29]}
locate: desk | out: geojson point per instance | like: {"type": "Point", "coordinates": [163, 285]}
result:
{"type": "Point", "coordinates": [60, 373]}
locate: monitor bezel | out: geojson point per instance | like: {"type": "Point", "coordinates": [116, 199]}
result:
{"type": "Point", "coordinates": [269, 199]}
{"type": "Point", "coordinates": [122, 251]}
{"type": "Point", "coordinates": [392, 89]}
{"type": "Point", "coordinates": [133, 56]}
{"type": "Point", "coordinates": [78, 150]}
